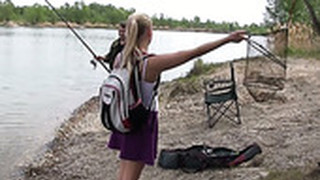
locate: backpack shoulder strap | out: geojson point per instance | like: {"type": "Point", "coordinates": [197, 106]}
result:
{"type": "Point", "coordinates": [156, 86]}
{"type": "Point", "coordinates": [137, 76]}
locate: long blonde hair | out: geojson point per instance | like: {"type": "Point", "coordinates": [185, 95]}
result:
{"type": "Point", "coordinates": [137, 24]}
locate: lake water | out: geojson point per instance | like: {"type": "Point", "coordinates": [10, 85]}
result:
{"type": "Point", "coordinates": [45, 74]}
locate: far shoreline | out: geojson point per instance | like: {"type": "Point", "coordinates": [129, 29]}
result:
{"type": "Point", "coordinates": [61, 24]}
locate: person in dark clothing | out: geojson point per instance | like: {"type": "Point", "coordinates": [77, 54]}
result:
{"type": "Point", "coordinates": [116, 46]}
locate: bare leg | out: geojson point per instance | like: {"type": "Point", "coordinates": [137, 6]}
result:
{"type": "Point", "coordinates": [121, 170]}
{"type": "Point", "coordinates": [130, 170]}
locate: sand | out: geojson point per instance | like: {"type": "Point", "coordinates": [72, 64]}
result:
{"type": "Point", "coordinates": [287, 128]}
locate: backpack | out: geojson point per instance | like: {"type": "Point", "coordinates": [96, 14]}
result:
{"type": "Point", "coordinates": [121, 107]}
{"type": "Point", "coordinates": [200, 157]}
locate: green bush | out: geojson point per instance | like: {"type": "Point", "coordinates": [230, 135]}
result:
{"type": "Point", "coordinates": [200, 68]}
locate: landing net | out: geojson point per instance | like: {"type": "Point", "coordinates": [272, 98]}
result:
{"type": "Point", "coordinates": [266, 64]}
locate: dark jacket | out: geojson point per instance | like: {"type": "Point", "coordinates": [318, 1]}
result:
{"type": "Point", "coordinates": [115, 48]}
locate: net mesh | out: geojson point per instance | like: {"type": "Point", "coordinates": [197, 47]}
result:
{"type": "Point", "coordinates": [265, 70]}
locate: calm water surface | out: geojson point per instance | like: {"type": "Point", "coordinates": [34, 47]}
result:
{"type": "Point", "coordinates": [45, 74]}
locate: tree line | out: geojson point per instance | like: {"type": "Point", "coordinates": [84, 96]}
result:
{"type": "Point", "coordinates": [81, 13]}
{"type": "Point", "coordinates": [277, 12]}
{"type": "Point", "coordinates": [77, 13]}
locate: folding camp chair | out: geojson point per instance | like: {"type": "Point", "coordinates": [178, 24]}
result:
{"type": "Point", "coordinates": [221, 99]}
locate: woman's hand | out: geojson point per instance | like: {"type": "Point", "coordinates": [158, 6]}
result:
{"type": "Point", "coordinates": [237, 36]}
{"type": "Point", "coordinates": [100, 58]}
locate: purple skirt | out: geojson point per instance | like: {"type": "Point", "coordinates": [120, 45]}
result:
{"type": "Point", "coordinates": [139, 145]}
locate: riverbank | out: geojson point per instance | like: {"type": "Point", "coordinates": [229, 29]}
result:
{"type": "Point", "coordinates": [286, 127]}
{"type": "Point", "coordinates": [60, 24]}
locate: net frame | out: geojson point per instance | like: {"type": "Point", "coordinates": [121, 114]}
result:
{"type": "Point", "coordinates": [265, 73]}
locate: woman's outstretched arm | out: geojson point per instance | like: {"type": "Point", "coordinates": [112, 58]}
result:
{"type": "Point", "coordinates": [160, 63]}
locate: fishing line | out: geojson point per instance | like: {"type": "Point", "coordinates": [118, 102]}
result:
{"type": "Point", "coordinates": [79, 37]}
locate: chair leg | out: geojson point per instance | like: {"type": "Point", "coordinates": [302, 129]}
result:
{"type": "Point", "coordinates": [221, 111]}
{"type": "Point", "coordinates": [212, 120]}
{"type": "Point", "coordinates": [238, 112]}
{"type": "Point", "coordinates": [208, 114]}
{"type": "Point", "coordinates": [237, 119]}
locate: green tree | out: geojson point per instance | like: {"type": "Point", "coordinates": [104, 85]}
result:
{"type": "Point", "coordinates": [313, 14]}
{"type": "Point", "coordinates": [286, 11]}
{"type": "Point", "coordinates": [7, 12]}
{"type": "Point", "coordinates": [81, 13]}
{"type": "Point", "coordinates": [196, 21]}
{"type": "Point", "coordinates": [35, 14]}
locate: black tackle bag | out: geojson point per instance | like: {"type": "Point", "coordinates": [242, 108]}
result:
{"type": "Point", "coordinates": [200, 157]}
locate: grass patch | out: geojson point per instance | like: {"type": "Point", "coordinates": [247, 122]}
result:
{"type": "Point", "coordinates": [302, 53]}
{"type": "Point", "coordinates": [201, 68]}
{"type": "Point", "coordinates": [192, 82]}
{"type": "Point", "coordinates": [294, 174]}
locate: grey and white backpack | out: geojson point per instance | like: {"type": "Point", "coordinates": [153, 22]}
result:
{"type": "Point", "coordinates": [121, 107]}
{"type": "Point", "coordinates": [114, 101]}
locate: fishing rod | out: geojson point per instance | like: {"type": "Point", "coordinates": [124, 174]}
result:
{"type": "Point", "coordinates": [79, 37]}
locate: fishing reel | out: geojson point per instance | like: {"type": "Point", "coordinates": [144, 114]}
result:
{"type": "Point", "coordinates": [93, 63]}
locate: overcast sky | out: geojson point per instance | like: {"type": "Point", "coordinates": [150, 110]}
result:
{"type": "Point", "coordinates": [241, 11]}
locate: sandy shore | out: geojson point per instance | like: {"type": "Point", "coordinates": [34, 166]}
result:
{"type": "Point", "coordinates": [286, 127]}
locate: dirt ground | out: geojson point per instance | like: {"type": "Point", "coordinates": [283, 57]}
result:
{"type": "Point", "coordinates": [287, 128]}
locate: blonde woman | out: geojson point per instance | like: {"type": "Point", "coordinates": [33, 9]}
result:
{"type": "Point", "coordinates": [140, 147]}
